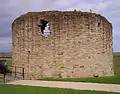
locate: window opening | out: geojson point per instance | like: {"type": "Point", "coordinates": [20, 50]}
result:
{"type": "Point", "coordinates": [99, 24]}
{"type": "Point", "coordinates": [44, 25]}
{"type": "Point", "coordinates": [46, 30]}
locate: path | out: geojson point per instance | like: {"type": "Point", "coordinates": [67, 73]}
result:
{"type": "Point", "coordinates": [70, 85]}
{"type": "Point", "coordinates": [8, 78]}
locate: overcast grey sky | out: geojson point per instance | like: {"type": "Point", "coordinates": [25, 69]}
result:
{"type": "Point", "coordinates": [10, 9]}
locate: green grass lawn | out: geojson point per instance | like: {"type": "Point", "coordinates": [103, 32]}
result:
{"type": "Point", "coordinates": [15, 89]}
{"type": "Point", "coordinates": [110, 80]}
{"type": "Point", "coordinates": [117, 65]}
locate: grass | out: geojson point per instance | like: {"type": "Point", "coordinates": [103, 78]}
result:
{"type": "Point", "coordinates": [117, 65]}
{"type": "Point", "coordinates": [9, 60]}
{"type": "Point", "coordinates": [109, 80]}
{"type": "Point", "coordinates": [15, 89]}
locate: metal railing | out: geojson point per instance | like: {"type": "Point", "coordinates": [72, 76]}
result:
{"type": "Point", "coordinates": [13, 74]}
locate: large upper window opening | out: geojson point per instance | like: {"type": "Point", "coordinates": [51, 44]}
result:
{"type": "Point", "coordinates": [44, 25]}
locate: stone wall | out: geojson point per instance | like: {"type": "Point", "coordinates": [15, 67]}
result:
{"type": "Point", "coordinates": [79, 45]}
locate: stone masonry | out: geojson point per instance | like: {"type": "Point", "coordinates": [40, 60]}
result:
{"type": "Point", "coordinates": [79, 44]}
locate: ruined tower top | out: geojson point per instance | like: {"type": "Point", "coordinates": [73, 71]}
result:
{"type": "Point", "coordinates": [61, 13]}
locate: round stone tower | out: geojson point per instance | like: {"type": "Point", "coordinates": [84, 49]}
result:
{"type": "Point", "coordinates": [69, 44]}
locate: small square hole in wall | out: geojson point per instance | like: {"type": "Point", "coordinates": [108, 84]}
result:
{"type": "Point", "coordinates": [44, 26]}
{"type": "Point", "coordinates": [99, 24]}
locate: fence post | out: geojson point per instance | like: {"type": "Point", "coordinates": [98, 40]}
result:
{"type": "Point", "coordinates": [4, 77]}
{"type": "Point", "coordinates": [15, 72]}
{"type": "Point", "coordinates": [23, 72]}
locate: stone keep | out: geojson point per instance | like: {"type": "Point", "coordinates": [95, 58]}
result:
{"type": "Point", "coordinates": [79, 44]}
